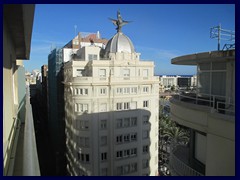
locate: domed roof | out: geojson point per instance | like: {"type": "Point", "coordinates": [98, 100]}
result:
{"type": "Point", "coordinates": [119, 43]}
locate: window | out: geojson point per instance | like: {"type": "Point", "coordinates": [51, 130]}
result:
{"type": "Point", "coordinates": [134, 90]}
{"type": "Point", "coordinates": [133, 152]}
{"type": "Point", "coordinates": [103, 140]}
{"type": "Point", "coordinates": [126, 138]}
{"type": "Point", "coordinates": [80, 91]}
{"type": "Point", "coordinates": [119, 123]}
{"type": "Point", "coordinates": [119, 90]}
{"type": "Point", "coordinates": [103, 124]}
{"type": "Point", "coordinates": [134, 137]}
{"type": "Point", "coordinates": [102, 73]}
{"type": "Point", "coordinates": [145, 89]}
{"type": "Point", "coordinates": [81, 107]}
{"type": "Point", "coordinates": [82, 157]}
{"type": "Point", "coordinates": [126, 73]}
{"type": "Point", "coordinates": [92, 57]}
{"type": "Point", "coordinates": [87, 157]}
{"type": "Point", "coordinates": [126, 90]}
{"type": "Point", "coordinates": [145, 119]}
{"type": "Point", "coordinates": [119, 106]}
{"type": "Point", "coordinates": [104, 156]}
{"type": "Point", "coordinates": [126, 105]}
{"type": "Point", "coordinates": [145, 134]}
{"type": "Point", "coordinates": [119, 154]}
{"type": "Point", "coordinates": [119, 139]}
{"type": "Point", "coordinates": [145, 163]}
{"type": "Point", "coordinates": [145, 103]}
{"type": "Point", "coordinates": [82, 124]}
{"type": "Point", "coordinates": [126, 153]}
{"type": "Point", "coordinates": [103, 91]}
{"type": "Point", "coordinates": [133, 121]}
{"type": "Point", "coordinates": [145, 149]}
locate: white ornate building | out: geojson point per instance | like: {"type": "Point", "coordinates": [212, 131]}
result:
{"type": "Point", "coordinates": [111, 111]}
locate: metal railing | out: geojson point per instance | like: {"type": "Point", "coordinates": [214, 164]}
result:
{"type": "Point", "coordinates": [218, 103]}
{"type": "Point", "coordinates": [180, 168]}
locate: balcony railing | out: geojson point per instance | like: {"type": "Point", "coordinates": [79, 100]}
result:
{"type": "Point", "coordinates": [83, 79]}
{"type": "Point", "coordinates": [26, 157]}
{"type": "Point", "coordinates": [179, 167]}
{"type": "Point", "coordinates": [218, 103]}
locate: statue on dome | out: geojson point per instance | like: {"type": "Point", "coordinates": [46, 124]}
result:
{"type": "Point", "coordinates": [119, 22]}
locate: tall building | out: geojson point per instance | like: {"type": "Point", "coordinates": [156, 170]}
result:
{"type": "Point", "coordinates": [209, 114]}
{"type": "Point", "coordinates": [111, 110]}
{"type": "Point", "coordinates": [55, 96]}
{"type": "Point", "coordinates": [19, 144]}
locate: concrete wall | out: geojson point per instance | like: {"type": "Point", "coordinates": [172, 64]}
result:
{"type": "Point", "coordinates": [220, 130]}
{"type": "Point", "coordinates": [9, 94]}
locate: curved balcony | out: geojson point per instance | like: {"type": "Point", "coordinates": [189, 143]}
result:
{"type": "Point", "coordinates": [179, 163]}
{"type": "Point", "coordinates": [218, 103]}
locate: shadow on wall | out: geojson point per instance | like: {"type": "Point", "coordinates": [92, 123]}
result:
{"type": "Point", "coordinates": [123, 135]}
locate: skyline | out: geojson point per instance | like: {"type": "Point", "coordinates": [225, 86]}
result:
{"type": "Point", "coordinates": [159, 32]}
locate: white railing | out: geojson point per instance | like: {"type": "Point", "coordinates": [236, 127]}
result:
{"type": "Point", "coordinates": [181, 168]}
{"type": "Point", "coordinates": [216, 102]}
{"type": "Point", "coordinates": [113, 79]}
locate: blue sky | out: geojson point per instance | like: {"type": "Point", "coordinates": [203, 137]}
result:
{"type": "Point", "coordinates": [159, 32]}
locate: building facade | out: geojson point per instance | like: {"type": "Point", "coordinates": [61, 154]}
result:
{"type": "Point", "coordinates": [55, 96]}
{"type": "Point", "coordinates": [19, 149]}
{"type": "Point", "coordinates": [111, 111]}
{"type": "Point", "coordinates": [209, 114]}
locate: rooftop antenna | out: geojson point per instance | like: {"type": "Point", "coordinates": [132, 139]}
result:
{"type": "Point", "coordinates": [75, 28]}
{"type": "Point", "coordinates": [222, 34]}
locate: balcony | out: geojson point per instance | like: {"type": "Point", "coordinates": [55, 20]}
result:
{"type": "Point", "coordinates": [24, 159]}
{"type": "Point", "coordinates": [218, 104]}
{"type": "Point", "coordinates": [114, 80]}
{"type": "Point", "coordinates": [179, 163]}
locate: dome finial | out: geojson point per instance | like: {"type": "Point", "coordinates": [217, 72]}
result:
{"type": "Point", "coordinates": [119, 22]}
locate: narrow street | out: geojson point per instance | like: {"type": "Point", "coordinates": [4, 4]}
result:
{"type": "Point", "coordinates": [45, 153]}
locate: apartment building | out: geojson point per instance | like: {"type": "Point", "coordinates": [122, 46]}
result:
{"type": "Point", "coordinates": [111, 111]}
{"type": "Point", "coordinates": [55, 92]}
{"type": "Point", "coordinates": [209, 114]}
{"type": "Point", "coordinates": [19, 144]}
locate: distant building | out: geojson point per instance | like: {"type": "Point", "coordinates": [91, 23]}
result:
{"type": "Point", "coordinates": [44, 72]}
{"type": "Point", "coordinates": [86, 39]}
{"type": "Point", "coordinates": [169, 82]}
{"type": "Point", "coordinates": [56, 121]}
{"type": "Point", "coordinates": [209, 114]}
{"type": "Point", "coordinates": [111, 111]}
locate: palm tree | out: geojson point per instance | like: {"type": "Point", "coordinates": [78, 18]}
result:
{"type": "Point", "coordinates": [176, 135]}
